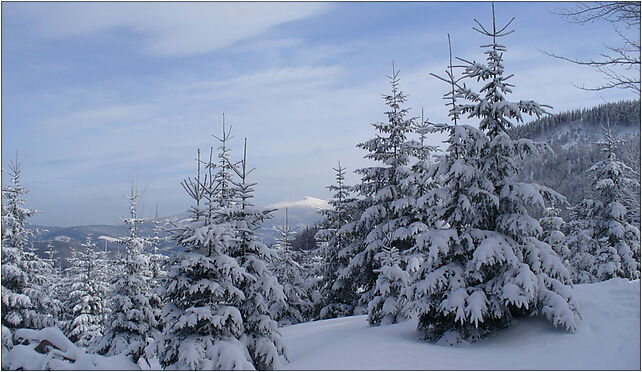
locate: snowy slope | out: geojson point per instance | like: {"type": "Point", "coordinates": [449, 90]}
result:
{"type": "Point", "coordinates": [608, 338]}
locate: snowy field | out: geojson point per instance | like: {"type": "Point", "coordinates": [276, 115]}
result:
{"type": "Point", "coordinates": [608, 338]}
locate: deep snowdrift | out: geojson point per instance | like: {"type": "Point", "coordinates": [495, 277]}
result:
{"type": "Point", "coordinates": [607, 338]}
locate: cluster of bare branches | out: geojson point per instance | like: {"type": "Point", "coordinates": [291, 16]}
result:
{"type": "Point", "coordinates": [627, 12]}
{"type": "Point", "coordinates": [620, 65]}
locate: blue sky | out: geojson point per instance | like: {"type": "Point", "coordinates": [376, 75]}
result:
{"type": "Point", "coordinates": [95, 95]}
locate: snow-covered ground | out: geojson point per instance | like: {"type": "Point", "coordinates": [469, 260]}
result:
{"type": "Point", "coordinates": [608, 338]}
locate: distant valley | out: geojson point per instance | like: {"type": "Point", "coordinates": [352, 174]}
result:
{"type": "Point", "coordinates": [301, 213]}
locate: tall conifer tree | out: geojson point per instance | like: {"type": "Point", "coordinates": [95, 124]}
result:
{"type": "Point", "coordinates": [486, 264]}
{"type": "Point", "coordinates": [383, 202]}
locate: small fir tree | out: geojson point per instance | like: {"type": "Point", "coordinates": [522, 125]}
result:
{"type": "Point", "coordinates": [552, 233]}
{"type": "Point", "coordinates": [261, 288]}
{"type": "Point", "coordinates": [203, 326]}
{"type": "Point", "coordinates": [288, 268]}
{"type": "Point", "coordinates": [132, 319]}
{"type": "Point", "coordinates": [87, 296]}
{"type": "Point", "coordinates": [157, 260]}
{"type": "Point", "coordinates": [26, 303]}
{"type": "Point", "coordinates": [605, 244]}
{"type": "Point", "coordinates": [339, 294]}
{"type": "Point", "coordinates": [580, 242]}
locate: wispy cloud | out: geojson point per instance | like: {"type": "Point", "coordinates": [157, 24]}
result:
{"type": "Point", "coordinates": [167, 28]}
{"type": "Point", "coordinates": [303, 97]}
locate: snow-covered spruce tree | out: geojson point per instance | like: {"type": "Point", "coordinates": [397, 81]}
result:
{"type": "Point", "coordinates": [387, 306]}
{"type": "Point", "coordinates": [132, 319]}
{"type": "Point", "coordinates": [487, 264]}
{"type": "Point", "coordinates": [17, 306]}
{"type": "Point", "coordinates": [423, 180]}
{"type": "Point", "coordinates": [630, 155]}
{"type": "Point", "coordinates": [285, 233]}
{"type": "Point", "coordinates": [224, 192]}
{"type": "Point", "coordinates": [87, 296]}
{"type": "Point", "coordinates": [26, 303]}
{"type": "Point", "coordinates": [614, 230]}
{"type": "Point", "coordinates": [339, 294]}
{"type": "Point", "coordinates": [55, 278]}
{"type": "Point", "coordinates": [260, 286]}
{"type": "Point", "coordinates": [385, 207]}
{"type": "Point", "coordinates": [552, 233]}
{"type": "Point", "coordinates": [313, 265]}
{"type": "Point", "coordinates": [615, 247]}
{"type": "Point", "coordinates": [14, 215]}
{"type": "Point", "coordinates": [580, 242]}
{"type": "Point", "coordinates": [418, 198]}
{"type": "Point", "coordinates": [202, 323]}
{"type": "Point", "coordinates": [158, 266]}
{"type": "Point", "coordinates": [288, 268]}
{"type": "Point", "coordinates": [157, 260]}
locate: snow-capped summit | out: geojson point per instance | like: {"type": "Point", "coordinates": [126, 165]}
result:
{"type": "Point", "coordinates": [307, 202]}
{"type": "Point", "coordinates": [301, 213]}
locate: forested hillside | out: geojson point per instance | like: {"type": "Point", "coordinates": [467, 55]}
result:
{"type": "Point", "coordinates": [572, 135]}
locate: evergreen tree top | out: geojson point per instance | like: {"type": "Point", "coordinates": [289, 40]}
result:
{"type": "Point", "coordinates": [341, 191]}
{"type": "Point", "coordinates": [490, 102]}
{"type": "Point", "coordinates": [224, 192]}
{"type": "Point", "coordinates": [391, 149]}
{"type": "Point", "coordinates": [610, 143]}
{"type": "Point", "coordinates": [14, 214]}
{"type": "Point", "coordinates": [452, 94]}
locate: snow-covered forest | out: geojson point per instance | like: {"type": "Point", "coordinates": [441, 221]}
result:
{"type": "Point", "coordinates": [488, 246]}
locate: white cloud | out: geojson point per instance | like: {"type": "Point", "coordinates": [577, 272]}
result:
{"type": "Point", "coordinates": [301, 114]}
{"type": "Point", "coordinates": [168, 28]}
{"type": "Point", "coordinates": [299, 121]}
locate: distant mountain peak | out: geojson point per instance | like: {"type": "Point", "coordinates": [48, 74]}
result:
{"type": "Point", "coordinates": [108, 238]}
{"type": "Point", "coordinates": [307, 202]}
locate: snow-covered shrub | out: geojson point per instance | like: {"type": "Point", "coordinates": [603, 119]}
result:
{"type": "Point", "coordinates": [49, 349]}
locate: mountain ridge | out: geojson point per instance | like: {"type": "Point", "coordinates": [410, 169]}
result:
{"type": "Point", "coordinates": [573, 137]}
{"type": "Point", "coordinates": [301, 213]}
